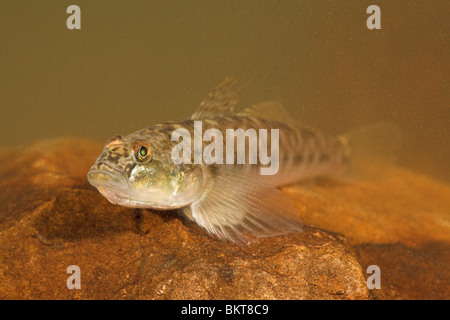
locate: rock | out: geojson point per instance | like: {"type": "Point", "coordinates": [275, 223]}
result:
{"type": "Point", "coordinates": [51, 218]}
{"type": "Point", "coordinates": [400, 206]}
{"type": "Point", "coordinates": [419, 272]}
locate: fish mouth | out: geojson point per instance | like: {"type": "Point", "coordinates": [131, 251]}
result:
{"type": "Point", "coordinates": [114, 187]}
{"type": "Point", "coordinates": [104, 178]}
{"type": "Point", "coordinates": [109, 181]}
{"type": "Point", "coordinates": [102, 173]}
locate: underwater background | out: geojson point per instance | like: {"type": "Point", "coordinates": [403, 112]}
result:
{"type": "Point", "coordinates": [133, 64]}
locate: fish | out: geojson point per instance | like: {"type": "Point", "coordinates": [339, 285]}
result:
{"type": "Point", "coordinates": [231, 201]}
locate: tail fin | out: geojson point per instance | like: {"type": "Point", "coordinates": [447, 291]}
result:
{"type": "Point", "coordinates": [374, 148]}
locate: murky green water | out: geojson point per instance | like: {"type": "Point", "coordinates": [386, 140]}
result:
{"type": "Point", "coordinates": [136, 63]}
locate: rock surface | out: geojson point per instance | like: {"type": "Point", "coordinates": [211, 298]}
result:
{"type": "Point", "coordinates": [51, 218]}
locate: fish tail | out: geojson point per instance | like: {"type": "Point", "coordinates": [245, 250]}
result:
{"type": "Point", "coordinates": [373, 149]}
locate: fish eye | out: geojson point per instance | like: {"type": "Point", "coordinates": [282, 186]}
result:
{"type": "Point", "coordinates": [142, 151]}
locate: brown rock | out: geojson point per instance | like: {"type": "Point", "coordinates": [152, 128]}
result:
{"type": "Point", "coordinates": [399, 222]}
{"type": "Point", "coordinates": [51, 218]}
{"type": "Point", "coordinates": [409, 273]}
{"type": "Point", "coordinates": [401, 206]}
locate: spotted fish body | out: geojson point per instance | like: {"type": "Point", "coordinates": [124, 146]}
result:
{"type": "Point", "coordinates": [231, 201]}
{"type": "Point", "coordinates": [304, 152]}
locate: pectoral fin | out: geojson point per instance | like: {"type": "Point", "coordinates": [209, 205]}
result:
{"type": "Point", "coordinates": [239, 208]}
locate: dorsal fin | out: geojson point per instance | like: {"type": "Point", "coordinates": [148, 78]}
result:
{"type": "Point", "coordinates": [270, 110]}
{"type": "Point", "coordinates": [220, 101]}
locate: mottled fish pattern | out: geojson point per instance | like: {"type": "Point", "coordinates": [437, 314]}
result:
{"type": "Point", "coordinates": [231, 201]}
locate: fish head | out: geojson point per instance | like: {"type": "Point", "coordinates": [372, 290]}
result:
{"type": "Point", "coordinates": [139, 173]}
